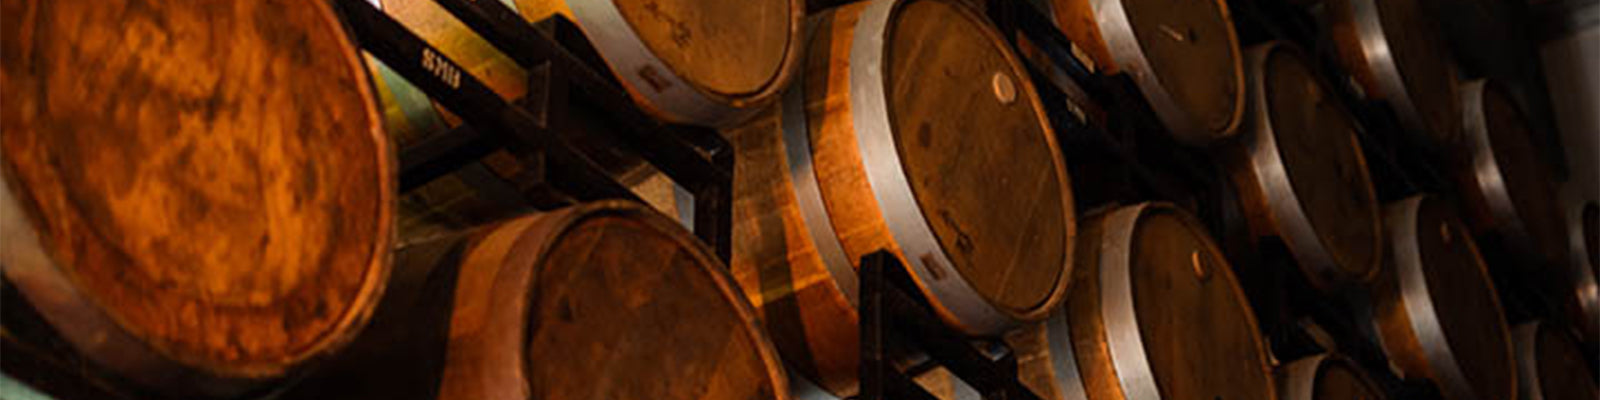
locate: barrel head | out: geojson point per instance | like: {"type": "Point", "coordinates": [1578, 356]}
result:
{"type": "Point", "coordinates": [212, 177]}
{"type": "Point", "coordinates": [729, 47]}
{"type": "Point", "coordinates": [631, 308]}
{"type": "Point", "coordinates": [1438, 313]}
{"type": "Point", "coordinates": [978, 154]}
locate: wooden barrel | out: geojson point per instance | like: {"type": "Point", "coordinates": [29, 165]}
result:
{"type": "Point", "coordinates": [1183, 56]}
{"type": "Point", "coordinates": [690, 61]}
{"type": "Point", "coordinates": [606, 300]}
{"type": "Point", "coordinates": [1551, 364]}
{"type": "Point", "coordinates": [1591, 234]}
{"type": "Point", "coordinates": [687, 61]}
{"type": "Point", "coordinates": [1154, 313]}
{"type": "Point", "coordinates": [1300, 172]}
{"type": "Point", "coordinates": [1327, 377]}
{"type": "Point", "coordinates": [1508, 188]}
{"type": "Point", "coordinates": [1579, 282]}
{"type": "Point", "coordinates": [196, 195]}
{"type": "Point", "coordinates": [1393, 50]}
{"type": "Point", "coordinates": [1435, 309]}
{"type": "Point", "coordinates": [912, 129]}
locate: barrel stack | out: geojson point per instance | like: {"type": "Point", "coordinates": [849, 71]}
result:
{"type": "Point", "coordinates": [245, 201]}
{"type": "Point", "coordinates": [699, 62]}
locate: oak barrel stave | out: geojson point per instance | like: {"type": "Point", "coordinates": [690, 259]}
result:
{"type": "Point", "coordinates": [196, 196]}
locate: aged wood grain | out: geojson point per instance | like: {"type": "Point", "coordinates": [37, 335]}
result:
{"type": "Point", "coordinates": [959, 134]}
{"type": "Point", "coordinates": [1317, 140]}
{"type": "Point", "coordinates": [738, 50]}
{"type": "Point", "coordinates": [1199, 336]}
{"type": "Point", "coordinates": [1190, 47]}
{"type": "Point", "coordinates": [212, 175]}
{"type": "Point", "coordinates": [1016, 251]}
{"type": "Point", "coordinates": [606, 300]}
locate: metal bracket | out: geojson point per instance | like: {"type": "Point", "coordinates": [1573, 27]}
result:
{"type": "Point", "coordinates": [890, 312]}
{"type": "Point", "coordinates": [538, 128]}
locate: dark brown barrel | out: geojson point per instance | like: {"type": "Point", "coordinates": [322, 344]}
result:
{"type": "Point", "coordinates": [606, 300]}
{"type": "Point", "coordinates": [1578, 283]}
{"type": "Point", "coordinates": [1326, 377]}
{"type": "Point", "coordinates": [869, 152]}
{"type": "Point", "coordinates": [1551, 364]}
{"type": "Point", "coordinates": [1183, 56]}
{"type": "Point", "coordinates": [1508, 188]}
{"type": "Point", "coordinates": [1591, 234]}
{"type": "Point", "coordinates": [196, 195]}
{"type": "Point", "coordinates": [1154, 313]}
{"type": "Point", "coordinates": [1435, 309]}
{"type": "Point", "coordinates": [1300, 172]}
{"type": "Point", "coordinates": [1393, 50]}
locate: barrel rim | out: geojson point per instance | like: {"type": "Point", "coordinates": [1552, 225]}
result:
{"type": "Point", "coordinates": [545, 230]}
{"type": "Point", "coordinates": [1586, 289]}
{"type": "Point", "coordinates": [1270, 174]}
{"type": "Point", "coordinates": [1118, 311]}
{"type": "Point", "coordinates": [1384, 69]}
{"type": "Point", "coordinates": [808, 194]}
{"type": "Point", "coordinates": [679, 99]}
{"type": "Point", "coordinates": [100, 336]}
{"type": "Point", "coordinates": [1416, 298]}
{"type": "Point", "coordinates": [1124, 46]}
{"type": "Point", "coordinates": [1525, 338]}
{"type": "Point", "coordinates": [1483, 169]}
{"type": "Point", "coordinates": [1063, 358]}
{"type": "Point", "coordinates": [1298, 379]}
{"type": "Point", "coordinates": [958, 301]}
